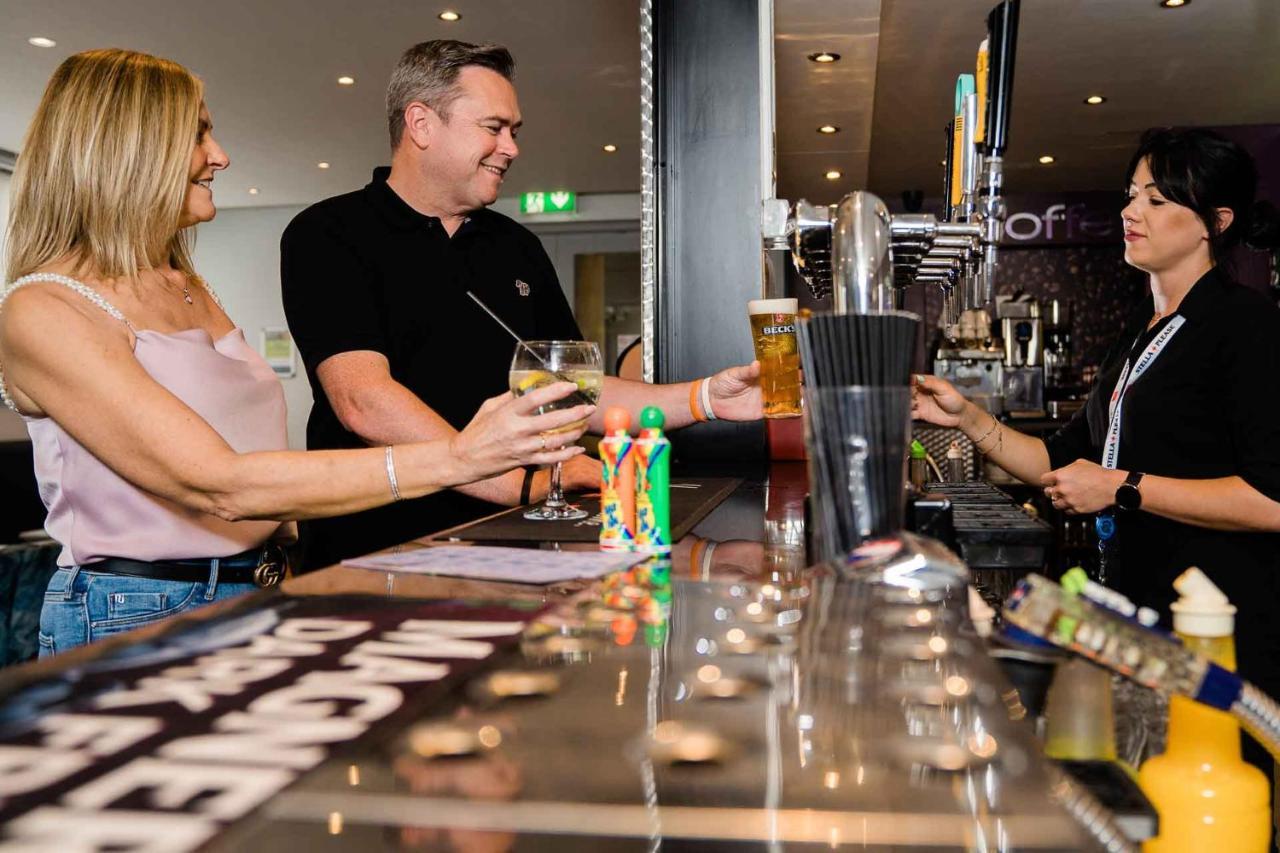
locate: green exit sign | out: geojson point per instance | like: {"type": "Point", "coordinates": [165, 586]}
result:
{"type": "Point", "coordinates": [556, 201]}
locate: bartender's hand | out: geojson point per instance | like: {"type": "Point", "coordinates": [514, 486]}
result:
{"type": "Point", "coordinates": [507, 432]}
{"type": "Point", "coordinates": [1082, 486]}
{"type": "Point", "coordinates": [937, 401]}
{"type": "Point", "coordinates": [735, 393]}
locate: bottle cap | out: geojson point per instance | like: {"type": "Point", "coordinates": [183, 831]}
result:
{"type": "Point", "coordinates": [1202, 610]}
{"type": "Point", "coordinates": [917, 450]}
{"type": "Point", "coordinates": [616, 419]}
{"type": "Point", "coordinates": [651, 417]}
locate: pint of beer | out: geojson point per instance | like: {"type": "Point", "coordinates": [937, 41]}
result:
{"type": "Point", "coordinates": [773, 330]}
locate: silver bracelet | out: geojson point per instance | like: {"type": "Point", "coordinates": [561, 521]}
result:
{"type": "Point", "coordinates": [706, 399]}
{"type": "Point", "coordinates": [391, 475]}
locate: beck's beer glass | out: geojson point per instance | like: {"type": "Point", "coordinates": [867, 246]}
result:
{"type": "Point", "coordinates": [773, 331]}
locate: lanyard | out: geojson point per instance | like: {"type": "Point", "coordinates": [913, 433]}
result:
{"type": "Point", "coordinates": [1111, 448]}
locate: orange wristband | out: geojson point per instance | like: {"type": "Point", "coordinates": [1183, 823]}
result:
{"type": "Point", "coordinates": [693, 401]}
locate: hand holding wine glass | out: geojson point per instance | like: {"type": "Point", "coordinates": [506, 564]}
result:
{"type": "Point", "coordinates": [537, 364]}
{"type": "Point", "coordinates": [508, 432]}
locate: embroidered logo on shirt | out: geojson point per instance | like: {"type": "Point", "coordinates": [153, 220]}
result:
{"type": "Point", "coordinates": [522, 288]}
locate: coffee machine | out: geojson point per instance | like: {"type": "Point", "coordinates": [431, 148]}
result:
{"type": "Point", "coordinates": [1022, 331]}
{"type": "Point", "coordinates": [1063, 392]}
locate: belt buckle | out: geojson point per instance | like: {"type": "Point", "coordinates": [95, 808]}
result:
{"type": "Point", "coordinates": [271, 567]}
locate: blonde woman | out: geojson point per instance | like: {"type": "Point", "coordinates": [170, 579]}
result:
{"type": "Point", "coordinates": [158, 433]}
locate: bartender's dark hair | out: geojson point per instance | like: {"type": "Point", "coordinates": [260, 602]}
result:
{"type": "Point", "coordinates": [428, 72]}
{"type": "Point", "coordinates": [1204, 171]}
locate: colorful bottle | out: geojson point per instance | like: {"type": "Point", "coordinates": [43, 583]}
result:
{"type": "Point", "coordinates": [919, 466]}
{"type": "Point", "coordinates": [1207, 797]}
{"type": "Point", "coordinates": [653, 484]}
{"type": "Point", "coordinates": [617, 482]}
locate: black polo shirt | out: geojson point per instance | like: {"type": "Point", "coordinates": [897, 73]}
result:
{"type": "Point", "coordinates": [1207, 407]}
{"type": "Point", "coordinates": [365, 271]}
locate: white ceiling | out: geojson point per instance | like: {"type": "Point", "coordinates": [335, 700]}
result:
{"type": "Point", "coordinates": [270, 68]}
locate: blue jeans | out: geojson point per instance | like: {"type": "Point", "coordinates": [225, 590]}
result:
{"type": "Point", "coordinates": [81, 605]}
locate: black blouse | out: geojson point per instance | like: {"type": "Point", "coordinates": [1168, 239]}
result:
{"type": "Point", "coordinates": [1209, 406]}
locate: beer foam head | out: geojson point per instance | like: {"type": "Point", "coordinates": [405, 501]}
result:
{"type": "Point", "coordinates": [773, 306]}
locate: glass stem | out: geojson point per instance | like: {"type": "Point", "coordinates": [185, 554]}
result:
{"type": "Point", "coordinates": [555, 497]}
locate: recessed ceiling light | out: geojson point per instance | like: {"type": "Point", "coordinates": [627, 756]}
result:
{"type": "Point", "coordinates": [610, 148]}
{"type": "Point", "coordinates": [41, 41]}
{"type": "Point", "coordinates": [322, 165]}
{"type": "Point", "coordinates": [1046, 159]}
{"type": "Point", "coordinates": [824, 56]}
{"type": "Point", "coordinates": [828, 128]}
{"type": "Point", "coordinates": [344, 80]}
{"type": "Point", "coordinates": [253, 190]}
{"type": "Point", "coordinates": [449, 15]}
{"type": "Point", "coordinates": [1094, 100]}
{"type": "Point", "coordinates": [1173, 4]}
{"type": "Point", "coordinates": [834, 175]}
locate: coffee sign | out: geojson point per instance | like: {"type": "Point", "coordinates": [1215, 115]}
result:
{"type": "Point", "coordinates": [1063, 219]}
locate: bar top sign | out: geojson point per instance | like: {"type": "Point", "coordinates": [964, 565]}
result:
{"type": "Point", "coordinates": [556, 201]}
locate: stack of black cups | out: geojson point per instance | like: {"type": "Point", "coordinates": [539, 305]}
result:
{"type": "Point", "coordinates": [857, 394]}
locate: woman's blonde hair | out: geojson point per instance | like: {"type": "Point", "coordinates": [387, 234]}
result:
{"type": "Point", "coordinates": [103, 172]}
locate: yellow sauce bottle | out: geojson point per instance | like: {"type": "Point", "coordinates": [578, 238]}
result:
{"type": "Point", "coordinates": [1208, 798]}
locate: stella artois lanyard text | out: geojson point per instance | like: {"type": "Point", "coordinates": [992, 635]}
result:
{"type": "Point", "coordinates": [1132, 370]}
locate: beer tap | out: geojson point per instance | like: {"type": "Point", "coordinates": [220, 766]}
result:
{"type": "Point", "coordinates": [856, 251]}
{"type": "Point", "coordinates": [1002, 38]}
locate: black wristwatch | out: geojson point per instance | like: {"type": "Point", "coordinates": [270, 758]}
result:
{"type": "Point", "coordinates": [1128, 498]}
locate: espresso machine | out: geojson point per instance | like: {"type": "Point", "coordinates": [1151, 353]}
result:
{"type": "Point", "coordinates": [1022, 332]}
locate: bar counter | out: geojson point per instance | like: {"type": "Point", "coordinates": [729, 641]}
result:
{"type": "Point", "coordinates": [727, 698]}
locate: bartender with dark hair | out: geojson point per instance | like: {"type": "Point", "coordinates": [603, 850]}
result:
{"type": "Point", "coordinates": [1179, 443]}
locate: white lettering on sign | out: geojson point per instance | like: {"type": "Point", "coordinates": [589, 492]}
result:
{"type": "Point", "coordinates": [249, 754]}
{"type": "Point", "coordinates": [789, 328]}
{"type": "Point", "coordinates": [235, 790]}
{"type": "Point", "coordinates": [254, 739]}
{"type": "Point", "coordinates": [29, 768]}
{"type": "Point", "coordinates": [72, 831]}
{"type": "Point", "coordinates": [321, 630]}
{"type": "Point", "coordinates": [98, 735]}
{"type": "Point", "coordinates": [271, 646]}
{"type": "Point", "coordinates": [1061, 222]}
{"type": "Point", "coordinates": [313, 697]}
{"type": "Point", "coordinates": [446, 628]}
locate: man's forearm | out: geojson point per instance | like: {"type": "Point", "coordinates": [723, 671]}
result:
{"type": "Point", "coordinates": [633, 396]}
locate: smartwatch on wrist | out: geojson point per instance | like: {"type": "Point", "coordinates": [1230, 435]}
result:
{"type": "Point", "coordinates": [1128, 497]}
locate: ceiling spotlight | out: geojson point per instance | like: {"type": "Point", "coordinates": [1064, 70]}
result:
{"type": "Point", "coordinates": [824, 56]}
{"type": "Point", "coordinates": [346, 81]}
{"type": "Point", "coordinates": [828, 128]}
{"type": "Point", "coordinates": [610, 148]}
{"type": "Point", "coordinates": [322, 165]}
{"type": "Point", "coordinates": [253, 190]}
{"type": "Point", "coordinates": [41, 41]}
{"type": "Point", "coordinates": [1094, 100]}
{"type": "Point", "coordinates": [1046, 159]}
{"type": "Point", "coordinates": [449, 15]}
{"type": "Point", "coordinates": [1173, 4]}
{"type": "Point", "coordinates": [834, 175]}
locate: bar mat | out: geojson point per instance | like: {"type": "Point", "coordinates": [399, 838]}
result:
{"type": "Point", "coordinates": [691, 500]}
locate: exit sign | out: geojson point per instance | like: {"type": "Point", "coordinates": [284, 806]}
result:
{"type": "Point", "coordinates": [557, 201]}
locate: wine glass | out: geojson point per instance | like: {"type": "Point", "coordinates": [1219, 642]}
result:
{"type": "Point", "coordinates": [539, 363]}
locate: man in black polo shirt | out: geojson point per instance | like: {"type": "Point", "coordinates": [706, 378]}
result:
{"type": "Point", "coordinates": [375, 288]}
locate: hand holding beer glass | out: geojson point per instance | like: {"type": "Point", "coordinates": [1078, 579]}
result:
{"type": "Point", "coordinates": [773, 332]}
{"type": "Point", "coordinates": [539, 363]}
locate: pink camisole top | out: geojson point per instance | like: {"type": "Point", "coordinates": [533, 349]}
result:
{"type": "Point", "coordinates": [94, 513]}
